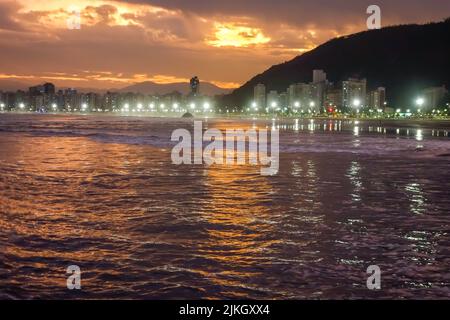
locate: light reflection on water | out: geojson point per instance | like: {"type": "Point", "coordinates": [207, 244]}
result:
{"type": "Point", "coordinates": [74, 192]}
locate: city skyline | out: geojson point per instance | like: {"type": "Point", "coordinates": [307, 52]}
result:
{"type": "Point", "coordinates": [125, 42]}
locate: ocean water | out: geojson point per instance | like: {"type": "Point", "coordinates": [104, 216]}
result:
{"type": "Point", "coordinates": [101, 192]}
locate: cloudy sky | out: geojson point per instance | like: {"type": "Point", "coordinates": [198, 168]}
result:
{"type": "Point", "coordinates": [224, 42]}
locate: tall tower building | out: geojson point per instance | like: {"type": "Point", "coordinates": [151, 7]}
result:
{"type": "Point", "coordinates": [319, 88]}
{"type": "Point", "coordinates": [377, 98]}
{"type": "Point", "coordinates": [354, 93]}
{"type": "Point", "coordinates": [259, 95]}
{"type": "Point", "coordinates": [433, 96]}
{"type": "Point", "coordinates": [195, 86]}
{"type": "Point", "coordinates": [273, 99]}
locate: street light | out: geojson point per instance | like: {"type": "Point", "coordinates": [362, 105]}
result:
{"type": "Point", "coordinates": [297, 104]}
{"type": "Point", "coordinates": [274, 104]}
{"type": "Point", "coordinates": [356, 103]}
{"type": "Point", "coordinates": [420, 101]}
{"type": "Point", "coordinates": [206, 106]}
{"type": "Point", "coordinates": [84, 107]}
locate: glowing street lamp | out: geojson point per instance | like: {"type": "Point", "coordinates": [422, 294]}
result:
{"type": "Point", "coordinates": [420, 101]}
{"type": "Point", "coordinates": [83, 107]}
{"type": "Point", "coordinates": [297, 104]}
{"type": "Point", "coordinates": [2, 106]}
{"type": "Point", "coordinates": [21, 106]}
{"type": "Point", "coordinates": [274, 104]}
{"type": "Point", "coordinates": [139, 107]}
{"type": "Point", "coordinates": [54, 106]}
{"type": "Point", "coordinates": [357, 103]}
{"type": "Point", "coordinates": [206, 106]}
{"type": "Point", "coordinates": [175, 106]}
{"type": "Point", "coordinates": [192, 106]}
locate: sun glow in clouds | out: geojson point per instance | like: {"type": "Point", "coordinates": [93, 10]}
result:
{"type": "Point", "coordinates": [232, 35]}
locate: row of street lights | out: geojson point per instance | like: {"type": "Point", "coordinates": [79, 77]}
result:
{"type": "Point", "coordinates": [356, 104]}
{"type": "Point", "coordinates": [162, 107]}
{"type": "Point", "coordinates": [126, 107]}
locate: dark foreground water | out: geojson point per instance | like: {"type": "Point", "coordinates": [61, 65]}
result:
{"type": "Point", "coordinates": [101, 193]}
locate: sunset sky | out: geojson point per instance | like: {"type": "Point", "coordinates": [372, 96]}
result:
{"type": "Point", "coordinates": [223, 42]}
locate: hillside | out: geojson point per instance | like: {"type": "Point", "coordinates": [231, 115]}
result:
{"type": "Point", "coordinates": [404, 59]}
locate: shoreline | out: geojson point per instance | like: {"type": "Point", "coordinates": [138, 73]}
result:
{"type": "Point", "coordinates": [437, 123]}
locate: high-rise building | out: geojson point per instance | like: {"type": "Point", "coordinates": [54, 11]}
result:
{"type": "Point", "coordinates": [46, 88]}
{"type": "Point", "coordinates": [433, 97]}
{"type": "Point", "coordinates": [318, 89]}
{"type": "Point", "coordinates": [354, 93]}
{"type": "Point", "coordinates": [259, 95]}
{"type": "Point", "coordinates": [90, 100]}
{"type": "Point", "coordinates": [9, 99]}
{"type": "Point", "coordinates": [318, 94]}
{"type": "Point", "coordinates": [37, 102]}
{"type": "Point", "coordinates": [49, 88]}
{"type": "Point", "coordinates": [334, 98]}
{"type": "Point", "coordinates": [283, 99]}
{"type": "Point", "coordinates": [377, 98]}
{"type": "Point", "coordinates": [319, 76]}
{"type": "Point", "coordinates": [299, 94]}
{"type": "Point", "coordinates": [272, 99]}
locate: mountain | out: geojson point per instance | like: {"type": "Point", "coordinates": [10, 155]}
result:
{"type": "Point", "coordinates": [149, 87]}
{"type": "Point", "coordinates": [404, 59]}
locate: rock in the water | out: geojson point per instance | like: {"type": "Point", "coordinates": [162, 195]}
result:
{"type": "Point", "coordinates": [419, 148]}
{"type": "Point", "coordinates": [187, 115]}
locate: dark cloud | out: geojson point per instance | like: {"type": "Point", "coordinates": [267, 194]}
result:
{"type": "Point", "coordinates": [333, 13]}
